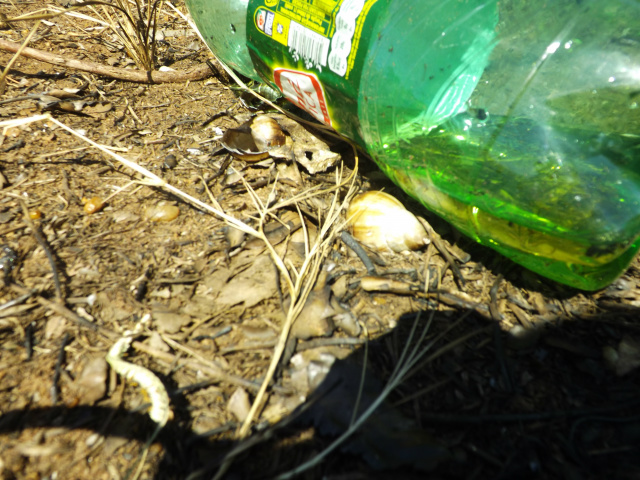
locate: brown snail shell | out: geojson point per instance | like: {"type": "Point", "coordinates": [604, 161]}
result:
{"type": "Point", "coordinates": [267, 133]}
{"type": "Point", "coordinates": [379, 221]}
{"type": "Point", "coordinates": [254, 140]}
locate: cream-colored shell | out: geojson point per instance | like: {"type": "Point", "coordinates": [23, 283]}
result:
{"type": "Point", "coordinates": [379, 221]}
{"type": "Point", "coordinates": [267, 133]}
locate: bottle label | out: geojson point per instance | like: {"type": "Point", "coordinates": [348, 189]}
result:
{"type": "Point", "coordinates": [313, 51]}
{"type": "Point", "coordinates": [304, 90]}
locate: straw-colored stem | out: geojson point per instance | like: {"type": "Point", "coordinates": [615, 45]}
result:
{"type": "Point", "coordinates": [17, 55]}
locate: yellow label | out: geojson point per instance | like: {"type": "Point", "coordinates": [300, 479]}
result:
{"type": "Point", "coordinates": [316, 15]}
{"type": "Point", "coordinates": [320, 33]}
{"type": "Point", "coordinates": [272, 24]}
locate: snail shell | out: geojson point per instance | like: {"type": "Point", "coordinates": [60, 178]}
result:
{"type": "Point", "coordinates": [254, 140]}
{"type": "Point", "coordinates": [267, 133]}
{"type": "Point", "coordinates": [379, 221]}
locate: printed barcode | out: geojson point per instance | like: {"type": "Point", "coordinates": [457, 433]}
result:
{"type": "Point", "coordinates": [309, 45]}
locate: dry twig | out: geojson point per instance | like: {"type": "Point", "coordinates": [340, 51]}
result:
{"type": "Point", "coordinates": [139, 76]}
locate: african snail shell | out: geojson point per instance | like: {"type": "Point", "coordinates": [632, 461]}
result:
{"type": "Point", "coordinates": [379, 221]}
{"type": "Point", "coordinates": [254, 140]}
{"type": "Point", "coordinates": [267, 133]}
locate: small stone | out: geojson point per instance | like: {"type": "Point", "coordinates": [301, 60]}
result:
{"type": "Point", "coordinates": [93, 205]}
{"type": "Point", "coordinates": [55, 327]}
{"type": "Point", "coordinates": [92, 439]}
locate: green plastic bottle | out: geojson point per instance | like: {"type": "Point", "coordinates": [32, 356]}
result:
{"type": "Point", "coordinates": [222, 24]}
{"type": "Point", "coordinates": [516, 121]}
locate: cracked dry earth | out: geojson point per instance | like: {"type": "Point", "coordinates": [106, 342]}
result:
{"type": "Point", "coordinates": [520, 378]}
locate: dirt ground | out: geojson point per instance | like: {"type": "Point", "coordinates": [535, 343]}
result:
{"type": "Point", "coordinates": [517, 377]}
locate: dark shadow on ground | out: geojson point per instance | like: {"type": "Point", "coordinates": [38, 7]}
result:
{"type": "Point", "coordinates": [482, 409]}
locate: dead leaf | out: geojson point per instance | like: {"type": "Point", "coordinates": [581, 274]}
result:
{"type": "Point", "coordinates": [91, 384]}
{"type": "Point", "coordinates": [239, 405]}
{"type": "Point", "coordinates": [322, 313]}
{"type": "Point", "coordinates": [155, 341]}
{"type": "Point", "coordinates": [170, 322]}
{"type": "Point", "coordinates": [253, 285]}
{"type": "Point", "coordinates": [306, 144]}
{"type": "Point", "coordinates": [55, 327]}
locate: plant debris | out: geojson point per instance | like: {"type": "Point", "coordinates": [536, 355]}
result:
{"type": "Point", "coordinates": [254, 286]}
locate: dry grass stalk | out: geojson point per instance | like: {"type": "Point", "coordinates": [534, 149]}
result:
{"type": "Point", "coordinates": [151, 178]}
{"type": "Point", "coordinates": [299, 282]}
{"type": "Point", "coordinates": [138, 39]}
{"type": "Point", "coordinates": [127, 74]}
{"type": "Point", "coordinates": [135, 23]}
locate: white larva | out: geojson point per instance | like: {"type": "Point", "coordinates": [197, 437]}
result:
{"type": "Point", "coordinates": [145, 378]}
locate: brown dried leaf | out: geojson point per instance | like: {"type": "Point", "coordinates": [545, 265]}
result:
{"type": "Point", "coordinates": [304, 143]}
{"type": "Point", "coordinates": [253, 285]}
{"type": "Point", "coordinates": [91, 384]}
{"type": "Point", "coordinates": [315, 318]}
{"type": "Point", "coordinates": [238, 404]}
{"type": "Point", "coordinates": [322, 313]}
{"type": "Point", "coordinates": [170, 322]}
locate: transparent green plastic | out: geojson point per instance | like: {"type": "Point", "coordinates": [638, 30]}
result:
{"type": "Point", "coordinates": [222, 24]}
{"type": "Point", "coordinates": [517, 121]}
{"type": "Point", "coordinates": [542, 160]}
